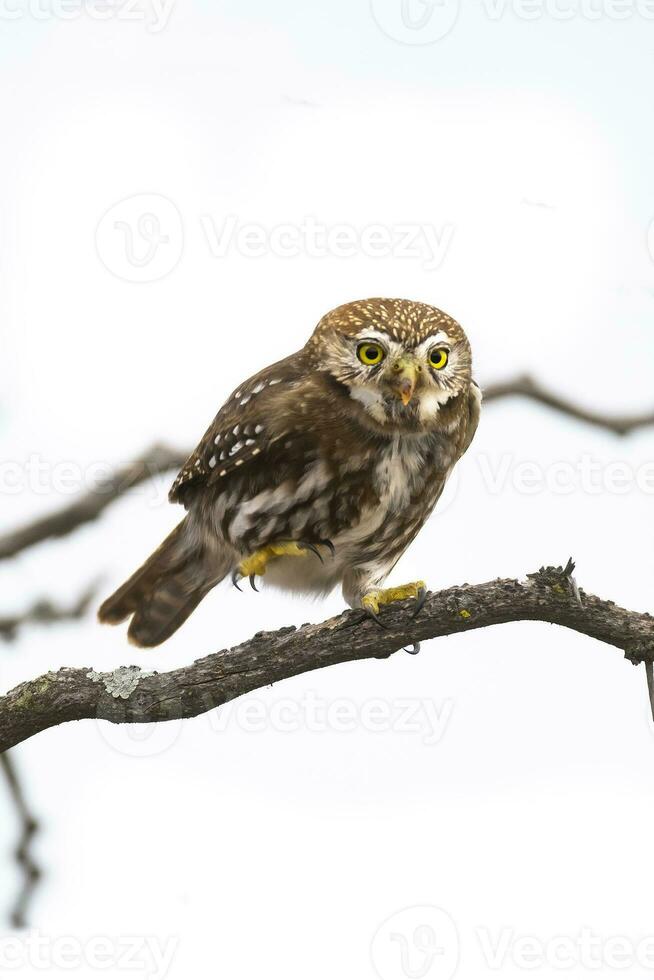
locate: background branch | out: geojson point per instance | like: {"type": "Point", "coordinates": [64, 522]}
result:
{"type": "Point", "coordinates": [29, 826]}
{"type": "Point", "coordinates": [45, 612]}
{"type": "Point", "coordinates": [161, 459]}
{"type": "Point", "coordinates": [130, 695]}
{"type": "Point", "coordinates": [158, 459]}
{"type": "Point", "coordinates": [525, 387]}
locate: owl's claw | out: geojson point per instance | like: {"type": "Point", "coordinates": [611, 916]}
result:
{"type": "Point", "coordinates": [413, 650]}
{"type": "Point", "coordinates": [372, 600]}
{"type": "Point", "coordinates": [257, 563]}
{"type": "Point", "coordinates": [371, 614]}
{"type": "Point", "coordinates": [312, 548]}
{"type": "Point", "coordinates": [238, 577]}
{"type": "Point", "coordinates": [325, 542]}
{"type": "Point", "coordinates": [421, 599]}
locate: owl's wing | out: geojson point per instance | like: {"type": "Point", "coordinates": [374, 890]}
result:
{"type": "Point", "coordinates": [251, 423]}
{"type": "Point", "coordinates": [474, 411]}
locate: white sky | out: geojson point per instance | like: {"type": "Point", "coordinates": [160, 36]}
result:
{"type": "Point", "coordinates": [527, 147]}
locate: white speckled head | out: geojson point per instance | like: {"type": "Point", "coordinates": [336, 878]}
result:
{"type": "Point", "coordinates": [400, 360]}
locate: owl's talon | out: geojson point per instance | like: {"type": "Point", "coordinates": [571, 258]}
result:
{"type": "Point", "coordinates": [312, 548]}
{"type": "Point", "coordinates": [421, 599]}
{"type": "Point", "coordinates": [257, 563]}
{"type": "Point", "coordinates": [329, 545]}
{"type": "Point", "coordinates": [414, 650]}
{"type": "Point", "coordinates": [372, 600]}
{"type": "Point", "coordinates": [371, 614]}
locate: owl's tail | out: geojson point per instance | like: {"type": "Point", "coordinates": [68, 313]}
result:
{"type": "Point", "coordinates": [163, 593]}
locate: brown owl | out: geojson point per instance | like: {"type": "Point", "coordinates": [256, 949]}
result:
{"type": "Point", "coordinates": [318, 471]}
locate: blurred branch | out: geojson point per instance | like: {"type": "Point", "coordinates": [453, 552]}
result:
{"type": "Point", "coordinates": [526, 387]}
{"type": "Point", "coordinates": [45, 612]}
{"type": "Point", "coordinates": [162, 459]}
{"type": "Point", "coordinates": [131, 695]}
{"type": "Point", "coordinates": [30, 870]}
{"type": "Point", "coordinates": [157, 460]}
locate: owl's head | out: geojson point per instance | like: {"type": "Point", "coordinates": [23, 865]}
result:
{"type": "Point", "coordinates": [400, 361]}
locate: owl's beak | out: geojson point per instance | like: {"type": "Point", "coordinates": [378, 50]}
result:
{"type": "Point", "coordinates": [404, 382]}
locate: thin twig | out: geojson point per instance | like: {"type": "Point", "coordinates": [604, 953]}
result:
{"type": "Point", "coordinates": [525, 387]}
{"type": "Point", "coordinates": [29, 827]}
{"type": "Point", "coordinates": [158, 459]}
{"type": "Point", "coordinates": [46, 613]}
{"type": "Point", "coordinates": [130, 695]}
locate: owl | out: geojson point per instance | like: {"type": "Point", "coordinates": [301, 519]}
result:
{"type": "Point", "coordinates": [318, 471]}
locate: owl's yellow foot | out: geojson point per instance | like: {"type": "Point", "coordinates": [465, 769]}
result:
{"type": "Point", "coordinates": [257, 563]}
{"type": "Point", "coordinates": [372, 600]}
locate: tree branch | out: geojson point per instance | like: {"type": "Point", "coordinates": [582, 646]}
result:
{"type": "Point", "coordinates": [525, 387]}
{"type": "Point", "coordinates": [162, 459]}
{"type": "Point", "coordinates": [130, 695]}
{"type": "Point", "coordinates": [158, 459]}
{"type": "Point", "coordinates": [29, 827]}
{"type": "Point", "coordinates": [45, 612]}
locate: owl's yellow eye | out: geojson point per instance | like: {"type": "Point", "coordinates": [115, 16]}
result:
{"type": "Point", "coordinates": [370, 353]}
{"type": "Point", "coordinates": [438, 358]}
